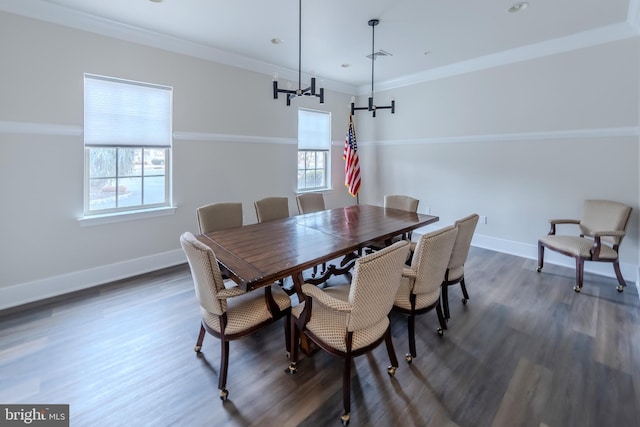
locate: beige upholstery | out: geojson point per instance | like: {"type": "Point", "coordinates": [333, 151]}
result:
{"type": "Point", "coordinates": [310, 202]}
{"type": "Point", "coordinates": [455, 270]}
{"type": "Point", "coordinates": [272, 208]}
{"type": "Point", "coordinates": [350, 320]}
{"type": "Point", "coordinates": [403, 203]}
{"type": "Point", "coordinates": [420, 286]}
{"type": "Point", "coordinates": [227, 311]}
{"type": "Point", "coordinates": [219, 216]}
{"type": "Point", "coordinates": [602, 228]}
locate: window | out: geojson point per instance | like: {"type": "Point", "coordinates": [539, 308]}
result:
{"type": "Point", "coordinates": [127, 140]}
{"type": "Point", "coordinates": [314, 143]}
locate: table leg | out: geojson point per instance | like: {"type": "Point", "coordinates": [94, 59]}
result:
{"type": "Point", "coordinates": [305, 343]}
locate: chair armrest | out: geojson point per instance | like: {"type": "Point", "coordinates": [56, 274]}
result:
{"type": "Point", "coordinates": [409, 273]}
{"type": "Point", "coordinates": [323, 298]}
{"type": "Point", "coordinates": [230, 293]}
{"type": "Point", "coordinates": [564, 221]}
{"type": "Point", "coordinates": [615, 233]}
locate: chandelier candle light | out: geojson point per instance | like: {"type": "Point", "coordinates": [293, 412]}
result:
{"type": "Point", "coordinates": [311, 90]}
{"type": "Point", "coordinates": [372, 107]}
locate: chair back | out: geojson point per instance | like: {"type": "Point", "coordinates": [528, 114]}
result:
{"type": "Point", "coordinates": [466, 227]}
{"type": "Point", "coordinates": [310, 202]}
{"type": "Point", "coordinates": [431, 258]}
{"type": "Point", "coordinates": [375, 282]}
{"type": "Point", "coordinates": [219, 216]}
{"type": "Point", "coordinates": [605, 215]}
{"type": "Point", "coordinates": [205, 272]}
{"type": "Point", "coordinates": [272, 208]}
{"type": "Point", "coordinates": [404, 203]}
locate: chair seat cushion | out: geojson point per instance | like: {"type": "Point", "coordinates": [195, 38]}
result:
{"type": "Point", "coordinates": [247, 310]}
{"type": "Point", "coordinates": [422, 300]}
{"type": "Point", "coordinates": [576, 246]}
{"type": "Point", "coordinates": [331, 326]}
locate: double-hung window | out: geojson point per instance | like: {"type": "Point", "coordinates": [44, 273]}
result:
{"type": "Point", "coordinates": [127, 139]}
{"type": "Point", "coordinates": [314, 145]}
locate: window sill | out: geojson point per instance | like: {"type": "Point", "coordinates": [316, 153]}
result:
{"type": "Point", "coordinates": [87, 221]}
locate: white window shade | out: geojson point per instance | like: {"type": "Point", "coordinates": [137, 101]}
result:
{"type": "Point", "coordinates": [314, 130]}
{"type": "Point", "coordinates": [126, 113]}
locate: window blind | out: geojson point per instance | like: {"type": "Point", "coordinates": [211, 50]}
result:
{"type": "Point", "coordinates": [314, 130]}
{"type": "Point", "coordinates": [126, 113]}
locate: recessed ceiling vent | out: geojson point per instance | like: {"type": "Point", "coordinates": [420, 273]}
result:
{"type": "Point", "coordinates": [378, 53]}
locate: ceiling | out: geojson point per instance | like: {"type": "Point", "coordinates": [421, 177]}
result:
{"type": "Point", "coordinates": [422, 36]}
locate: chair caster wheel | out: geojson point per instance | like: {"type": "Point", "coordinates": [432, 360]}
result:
{"type": "Point", "coordinates": [224, 394]}
{"type": "Point", "coordinates": [288, 354]}
{"type": "Point", "coordinates": [440, 332]}
{"type": "Point", "coordinates": [464, 301]}
{"type": "Point", "coordinates": [392, 370]}
{"type": "Point", "coordinates": [539, 269]}
{"type": "Point", "coordinates": [577, 289]}
{"type": "Point", "coordinates": [292, 369]}
{"type": "Point", "coordinates": [345, 419]}
{"type": "Point", "coordinates": [408, 358]}
{"type": "Point", "coordinates": [197, 348]}
{"type": "Point", "coordinates": [619, 288]}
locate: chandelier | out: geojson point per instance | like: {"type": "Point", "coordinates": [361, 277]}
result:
{"type": "Point", "coordinates": [309, 91]}
{"type": "Point", "coordinates": [371, 106]}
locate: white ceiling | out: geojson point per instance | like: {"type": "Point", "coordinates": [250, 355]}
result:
{"type": "Point", "coordinates": [335, 32]}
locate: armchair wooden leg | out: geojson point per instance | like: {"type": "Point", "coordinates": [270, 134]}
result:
{"type": "Point", "coordinates": [540, 257]}
{"type": "Point", "coordinates": [294, 343]}
{"type": "Point", "coordinates": [392, 353]}
{"type": "Point", "coordinates": [198, 346]}
{"type": "Point", "coordinates": [441, 320]}
{"type": "Point", "coordinates": [464, 291]}
{"type": "Point", "coordinates": [579, 274]}
{"type": "Point", "coordinates": [445, 300]}
{"type": "Point", "coordinates": [224, 367]}
{"type": "Point", "coordinates": [411, 322]}
{"type": "Point", "coordinates": [346, 389]}
{"type": "Point", "coordinates": [621, 282]}
{"type": "Point", "coordinates": [287, 333]}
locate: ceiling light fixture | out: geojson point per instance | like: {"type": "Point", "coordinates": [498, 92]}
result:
{"type": "Point", "coordinates": [372, 107]}
{"type": "Point", "coordinates": [311, 90]}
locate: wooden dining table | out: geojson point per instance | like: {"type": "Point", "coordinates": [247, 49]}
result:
{"type": "Point", "coordinates": [258, 255]}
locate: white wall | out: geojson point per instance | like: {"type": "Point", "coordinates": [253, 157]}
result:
{"type": "Point", "coordinates": [232, 142]}
{"type": "Point", "coordinates": [519, 144]}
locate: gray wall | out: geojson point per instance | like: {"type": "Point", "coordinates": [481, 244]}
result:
{"type": "Point", "coordinates": [518, 143]}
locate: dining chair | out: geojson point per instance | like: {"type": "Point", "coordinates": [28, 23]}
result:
{"type": "Point", "coordinates": [455, 270]}
{"type": "Point", "coordinates": [310, 202]}
{"type": "Point", "coordinates": [419, 290]}
{"type": "Point", "coordinates": [400, 202]}
{"type": "Point", "coordinates": [602, 227]}
{"type": "Point", "coordinates": [272, 208]}
{"type": "Point", "coordinates": [229, 313]}
{"type": "Point", "coordinates": [219, 216]}
{"type": "Point", "coordinates": [348, 320]}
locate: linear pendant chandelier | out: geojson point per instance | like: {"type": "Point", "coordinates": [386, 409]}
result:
{"type": "Point", "coordinates": [309, 91]}
{"type": "Point", "coordinates": [371, 106]}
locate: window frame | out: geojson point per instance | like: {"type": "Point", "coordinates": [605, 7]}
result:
{"type": "Point", "coordinates": [118, 144]}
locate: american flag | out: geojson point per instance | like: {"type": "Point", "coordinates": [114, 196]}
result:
{"type": "Point", "coordinates": [352, 164]}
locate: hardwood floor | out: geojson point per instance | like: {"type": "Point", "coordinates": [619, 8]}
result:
{"type": "Point", "coordinates": [525, 351]}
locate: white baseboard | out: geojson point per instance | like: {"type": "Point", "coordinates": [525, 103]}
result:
{"type": "Point", "coordinates": [24, 293]}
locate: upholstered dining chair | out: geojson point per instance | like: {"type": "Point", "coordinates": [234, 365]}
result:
{"type": "Point", "coordinates": [219, 216]}
{"type": "Point", "coordinates": [310, 202]}
{"type": "Point", "coordinates": [400, 202]}
{"type": "Point", "coordinates": [272, 208]}
{"type": "Point", "coordinates": [455, 270]}
{"type": "Point", "coordinates": [419, 290]}
{"type": "Point", "coordinates": [348, 320]}
{"type": "Point", "coordinates": [602, 228]}
{"type": "Point", "coordinates": [228, 312]}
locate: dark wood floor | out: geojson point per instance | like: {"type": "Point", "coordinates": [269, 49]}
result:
{"type": "Point", "coordinates": [525, 351]}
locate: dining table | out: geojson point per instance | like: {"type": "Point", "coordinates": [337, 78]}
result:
{"type": "Point", "coordinates": [257, 255]}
